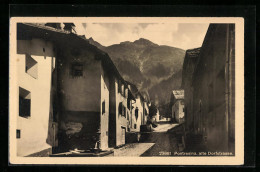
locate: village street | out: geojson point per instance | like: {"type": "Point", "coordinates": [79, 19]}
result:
{"type": "Point", "coordinates": [161, 142]}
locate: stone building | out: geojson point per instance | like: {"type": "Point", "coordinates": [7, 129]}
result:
{"type": "Point", "coordinates": [71, 95]}
{"type": "Point", "coordinates": [213, 85]}
{"type": "Point", "coordinates": [189, 64]}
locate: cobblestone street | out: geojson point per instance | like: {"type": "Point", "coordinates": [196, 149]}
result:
{"type": "Point", "coordinates": [132, 149]}
{"type": "Point", "coordinates": [160, 142]}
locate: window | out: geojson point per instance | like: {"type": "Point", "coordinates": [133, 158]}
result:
{"type": "Point", "coordinates": [103, 107]}
{"type": "Point", "coordinates": [120, 108]}
{"type": "Point", "coordinates": [128, 103]}
{"type": "Point", "coordinates": [124, 113]}
{"type": "Point", "coordinates": [136, 114]}
{"type": "Point", "coordinates": [18, 134]}
{"type": "Point", "coordinates": [134, 126]}
{"type": "Point", "coordinates": [122, 90]}
{"type": "Point", "coordinates": [77, 69]}
{"type": "Point", "coordinates": [145, 112]}
{"type": "Point", "coordinates": [126, 93]}
{"type": "Point", "coordinates": [119, 86]}
{"type": "Point", "coordinates": [31, 66]}
{"type": "Point", "coordinates": [123, 93]}
{"type": "Point", "coordinates": [24, 103]}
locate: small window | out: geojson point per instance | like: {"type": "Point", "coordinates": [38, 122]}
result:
{"type": "Point", "coordinates": [18, 134]}
{"type": "Point", "coordinates": [24, 103]}
{"type": "Point", "coordinates": [134, 126]}
{"type": "Point", "coordinates": [126, 93]}
{"type": "Point", "coordinates": [103, 107]}
{"type": "Point", "coordinates": [123, 90]}
{"type": "Point", "coordinates": [120, 108]}
{"type": "Point", "coordinates": [145, 112]}
{"type": "Point", "coordinates": [31, 66]}
{"type": "Point", "coordinates": [119, 86]}
{"type": "Point", "coordinates": [77, 70]}
{"type": "Point", "coordinates": [124, 111]}
{"type": "Point", "coordinates": [128, 103]}
{"type": "Point", "coordinates": [136, 114]}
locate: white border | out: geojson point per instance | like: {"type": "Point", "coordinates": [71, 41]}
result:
{"type": "Point", "coordinates": [238, 159]}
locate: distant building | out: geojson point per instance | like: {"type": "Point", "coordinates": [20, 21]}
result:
{"type": "Point", "coordinates": [119, 111]}
{"type": "Point", "coordinates": [213, 83]}
{"type": "Point", "coordinates": [130, 109]}
{"type": "Point", "coordinates": [139, 109]}
{"type": "Point", "coordinates": [177, 105]}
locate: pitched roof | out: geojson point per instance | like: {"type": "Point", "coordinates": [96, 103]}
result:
{"type": "Point", "coordinates": [178, 94]}
{"type": "Point", "coordinates": [193, 52]}
{"type": "Point", "coordinates": [190, 61]}
{"type": "Point", "coordinates": [134, 90]}
{"type": "Point", "coordinates": [35, 30]}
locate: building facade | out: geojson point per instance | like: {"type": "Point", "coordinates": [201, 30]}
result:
{"type": "Point", "coordinates": [189, 64]}
{"type": "Point", "coordinates": [83, 94]}
{"type": "Point", "coordinates": [70, 93]}
{"type": "Point", "coordinates": [177, 106]}
{"type": "Point", "coordinates": [118, 122]}
{"type": "Point", "coordinates": [140, 109]}
{"type": "Point", "coordinates": [35, 64]}
{"type": "Point", "coordinates": [213, 85]}
{"type": "Point", "coordinates": [71, 96]}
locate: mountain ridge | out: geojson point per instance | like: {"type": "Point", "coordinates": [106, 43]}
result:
{"type": "Point", "coordinates": [147, 65]}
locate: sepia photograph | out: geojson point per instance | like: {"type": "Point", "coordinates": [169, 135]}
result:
{"type": "Point", "coordinates": [126, 90]}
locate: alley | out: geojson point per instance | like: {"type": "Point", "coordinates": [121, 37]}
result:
{"type": "Point", "coordinates": [161, 142]}
{"type": "Point", "coordinates": [132, 149]}
{"type": "Point", "coordinates": [165, 141]}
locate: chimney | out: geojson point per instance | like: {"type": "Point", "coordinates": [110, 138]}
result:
{"type": "Point", "coordinates": [70, 27]}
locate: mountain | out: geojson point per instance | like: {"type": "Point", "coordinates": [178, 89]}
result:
{"type": "Point", "coordinates": [161, 92]}
{"type": "Point", "coordinates": [154, 69]}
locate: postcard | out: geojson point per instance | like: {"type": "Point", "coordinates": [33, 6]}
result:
{"type": "Point", "coordinates": [126, 90]}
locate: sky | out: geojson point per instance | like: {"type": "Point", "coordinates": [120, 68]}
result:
{"type": "Point", "coordinates": [180, 35]}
